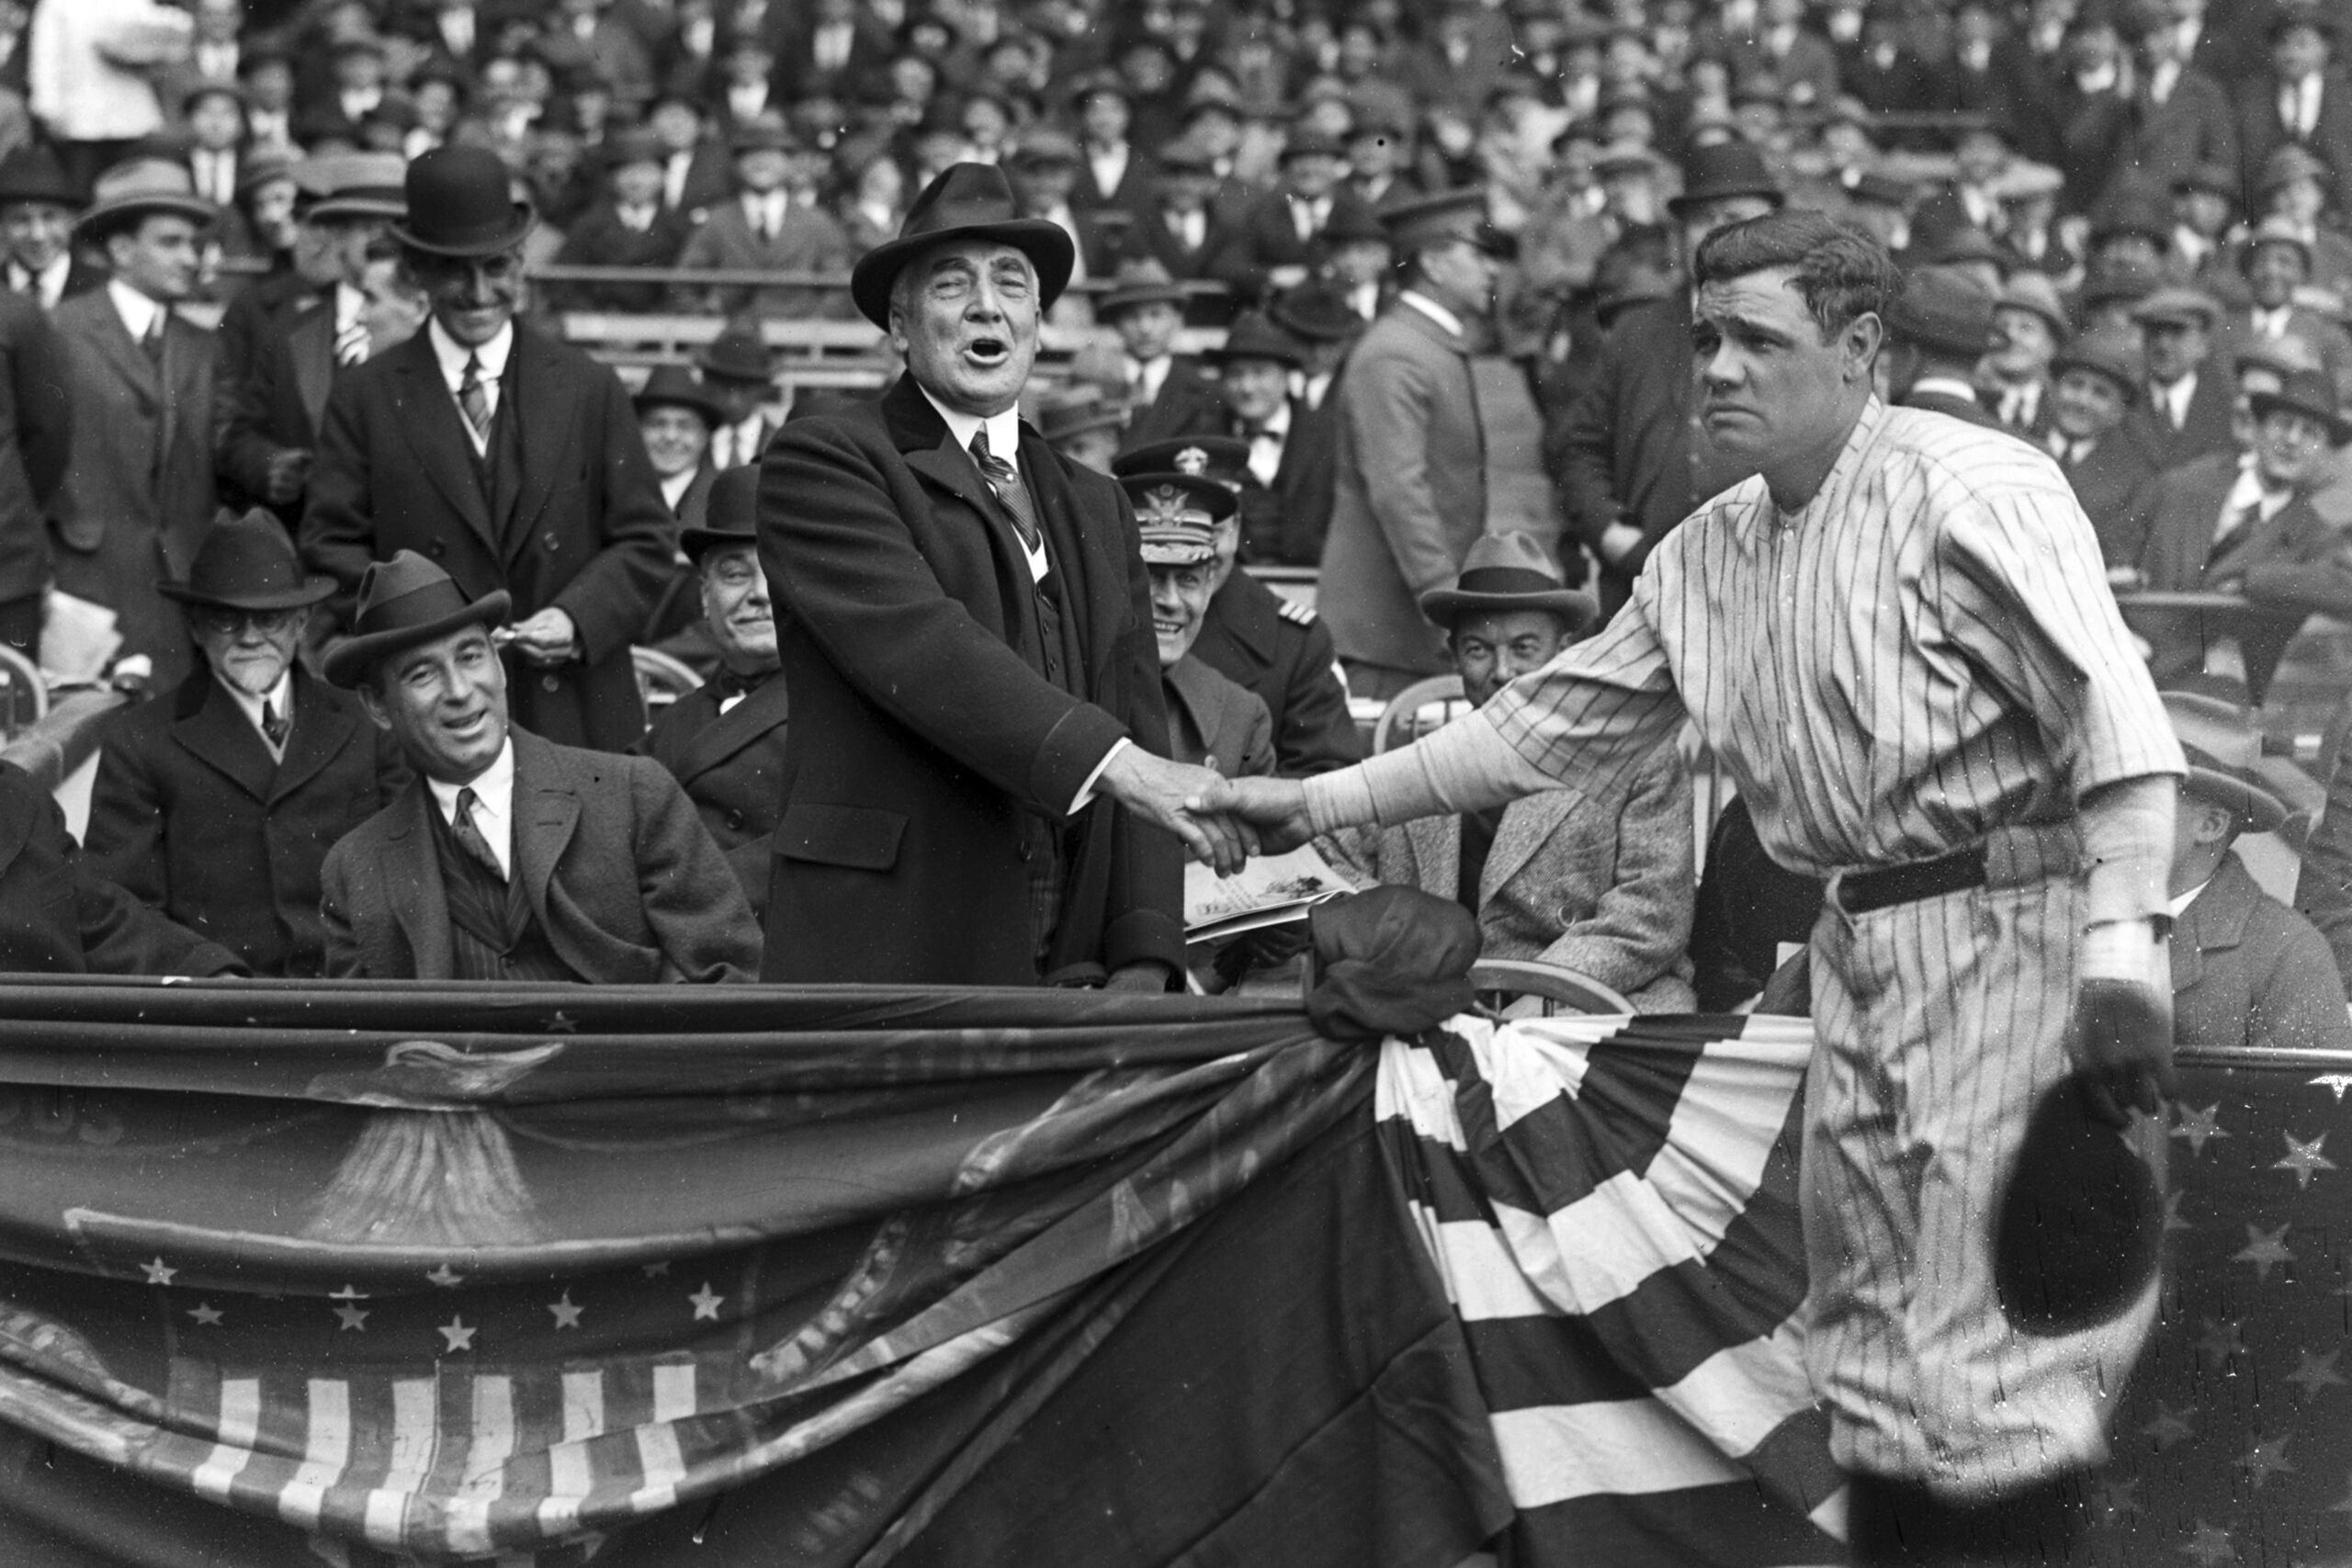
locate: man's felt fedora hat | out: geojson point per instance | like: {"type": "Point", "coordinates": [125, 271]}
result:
{"type": "Point", "coordinates": [2311, 393]}
{"type": "Point", "coordinates": [248, 563]}
{"type": "Point", "coordinates": [967, 201]}
{"type": "Point", "coordinates": [674, 385]}
{"type": "Point", "coordinates": [1255, 337]}
{"type": "Point", "coordinates": [1509, 571]}
{"type": "Point", "coordinates": [138, 188]}
{"type": "Point", "coordinates": [730, 515]}
{"type": "Point", "coordinates": [1943, 312]}
{"type": "Point", "coordinates": [404, 602]}
{"type": "Point", "coordinates": [460, 205]}
{"type": "Point", "coordinates": [738, 353]}
{"type": "Point", "coordinates": [2224, 754]}
{"type": "Point", "coordinates": [32, 173]}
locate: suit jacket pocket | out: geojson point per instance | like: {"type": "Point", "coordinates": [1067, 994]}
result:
{"type": "Point", "coordinates": [853, 835]}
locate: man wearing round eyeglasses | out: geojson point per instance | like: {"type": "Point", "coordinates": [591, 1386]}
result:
{"type": "Point", "coordinates": [218, 804]}
{"type": "Point", "coordinates": [509, 459]}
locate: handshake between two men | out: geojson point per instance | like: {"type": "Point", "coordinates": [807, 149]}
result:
{"type": "Point", "coordinates": [1222, 821]}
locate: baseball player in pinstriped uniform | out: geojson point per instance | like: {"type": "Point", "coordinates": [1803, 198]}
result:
{"type": "Point", "coordinates": [1899, 638]}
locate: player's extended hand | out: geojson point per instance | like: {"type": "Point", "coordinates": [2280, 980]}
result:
{"type": "Point", "coordinates": [2121, 1042]}
{"type": "Point", "coordinates": [1156, 789]}
{"type": "Point", "coordinates": [1274, 810]}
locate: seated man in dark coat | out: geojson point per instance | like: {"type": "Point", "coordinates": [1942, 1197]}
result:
{"type": "Point", "coordinates": [218, 804]}
{"type": "Point", "coordinates": [2247, 970]}
{"type": "Point", "coordinates": [724, 740]}
{"type": "Point", "coordinates": [511, 857]}
{"type": "Point", "coordinates": [1212, 722]}
{"type": "Point", "coordinates": [1940, 328]}
{"type": "Point", "coordinates": [57, 917]}
{"type": "Point", "coordinates": [2095, 380]}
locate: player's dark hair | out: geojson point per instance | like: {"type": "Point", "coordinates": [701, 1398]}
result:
{"type": "Point", "coordinates": [1841, 271]}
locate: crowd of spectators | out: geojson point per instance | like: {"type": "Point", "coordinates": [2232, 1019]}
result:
{"type": "Point", "coordinates": [1301, 237]}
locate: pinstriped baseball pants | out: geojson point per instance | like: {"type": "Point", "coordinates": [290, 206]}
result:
{"type": "Point", "coordinates": [1940, 1023]}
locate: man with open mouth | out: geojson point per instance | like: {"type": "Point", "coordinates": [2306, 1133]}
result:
{"type": "Point", "coordinates": [975, 772]}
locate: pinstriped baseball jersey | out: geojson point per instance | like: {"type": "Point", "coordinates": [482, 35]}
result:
{"type": "Point", "coordinates": [1926, 650]}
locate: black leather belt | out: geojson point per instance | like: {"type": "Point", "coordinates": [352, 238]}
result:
{"type": "Point", "coordinates": [1859, 892]}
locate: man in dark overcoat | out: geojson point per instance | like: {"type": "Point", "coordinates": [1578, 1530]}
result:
{"type": "Point", "coordinates": [218, 803]}
{"type": "Point", "coordinates": [511, 460]}
{"type": "Point", "coordinates": [973, 781]}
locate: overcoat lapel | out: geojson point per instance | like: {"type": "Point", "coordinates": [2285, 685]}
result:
{"type": "Point", "coordinates": [722, 737]}
{"type": "Point", "coordinates": [213, 727]}
{"type": "Point", "coordinates": [410, 869]}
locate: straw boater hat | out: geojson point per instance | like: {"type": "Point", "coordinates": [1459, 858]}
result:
{"type": "Point", "coordinates": [404, 602]}
{"type": "Point", "coordinates": [1177, 514]}
{"type": "Point", "coordinates": [1509, 571]}
{"type": "Point", "coordinates": [460, 205]}
{"type": "Point", "coordinates": [248, 563]}
{"type": "Point", "coordinates": [965, 201]}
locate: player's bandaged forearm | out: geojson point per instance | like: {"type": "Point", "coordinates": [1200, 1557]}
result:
{"type": "Point", "coordinates": [2127, 845]}
{"type": "Point", "coordinates": [1466, 766]}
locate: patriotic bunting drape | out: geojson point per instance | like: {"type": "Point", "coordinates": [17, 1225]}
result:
{"type": "Point", "coordinates": [297, 1275]}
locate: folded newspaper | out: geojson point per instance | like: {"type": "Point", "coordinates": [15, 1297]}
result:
{"type": "Point", "coordinates": [1271, 890]}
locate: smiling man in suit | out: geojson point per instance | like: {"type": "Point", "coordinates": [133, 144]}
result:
{"type": "Point", "coordinates": [217, 805]}
{"type": "Point", "coordinates": [2093, 380]}
{"type": "Point", "coordinates": [270, 432]}
{"type": "Point", "coordinates": [138, 492]}
{"type": "Point", "coordinates": [510, 459]}
{"type": "Point", "coordinates": [510, 857]}
{"type": "Point", "coordinates": [724, 740]}
{"type": "Point", "coordinates": [972, 795]}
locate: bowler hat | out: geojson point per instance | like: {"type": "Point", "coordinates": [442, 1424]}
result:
{"type": "Point", "coordinates": [139, 187]}
{"type": "Point", "coordinates": [2080, 1224]}
{"type": "Point", "coordinates": [1722, 170]}
{"type": "Point", "coordinates": [1142, 281]}
{"type": "Point", "coordinates": [1224, 458]}
{"type": "Point", "coordinates": [32, 173]}
{"type": "Point", "coordinates": [1943, 312]}
{"type": "Point", "coordinates": [730, 515]}
{"type": "Point", "coordinates": [674, 385]}
{"type": "Point", "coordinates": [1509, 571]}
{"type": "Point", "coordinates": [404, 602]}
{"type": "Point", "coordinates": [1315, 312]}
{"type": "Point", "coordinates": [1176, 515]}
{"type": "Point", "coordinates": [2112, 352]}
{"type": "Point", "coordinates": [2224, 754]}
{"type": "Point", "coordinates": [365, 184]}
{"type": "Point", "coordinates": [247, 563]}
{"type": "Point", "coordinates": [460, 205]}
{"type": "Point", "coordinates": [1255, 337]}
{"type": "Point", "coordinates": [737, 353]}
{"type": "Point", "coordinates": [967, 201]}
{"type": "Point", "coordinates": [2310, 393]}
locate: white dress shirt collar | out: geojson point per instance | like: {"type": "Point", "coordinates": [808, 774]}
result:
{"type": "Point", "coordinates": [280, 698]}
{"type": "Point", "coordinates": [1146, 376]}
{"type": "Point", "coordinates": [674, 488]}
{"type": "Point", "coordinates": [2179, 905]}
{"type": "Point", "coordinates": [136, 310]}
{"type": "Point", "coordinates": [2177, 397]}
{"type": "Point", "coordinates": [450, 355]}
{"type": "Point", "coordinates": [1435, 311]}
{"type": "Point", "coordinates": [1004, 442]}
{"type": "Point", "coordinates": [48, 285]}
{"type": "Point", "coordinates": [350, 307]}
{"type": "Point", "coordinates": [493, 804]}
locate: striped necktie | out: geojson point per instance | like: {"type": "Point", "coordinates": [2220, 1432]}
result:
{"type": "Point", "coordinates": [474, 398]}
{"type": "Point", "coordinates": [274, 726]}
{"type": "Point", "coordinates": [1005, 480]}
{"type": "Point", "coordinates": [469, 838]}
